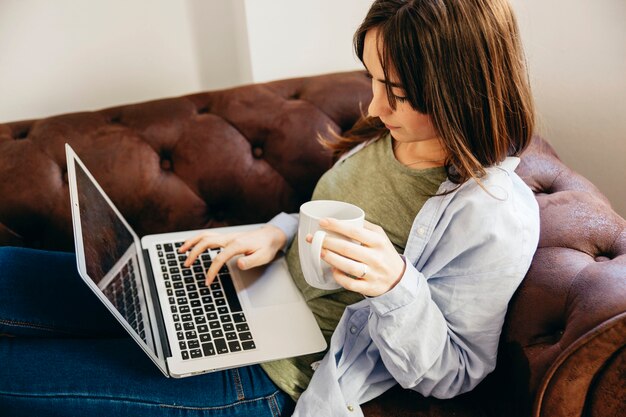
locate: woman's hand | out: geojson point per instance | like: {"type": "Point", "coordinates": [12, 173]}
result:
{"type": "Point", "coordinates": [372, 268]}
{"type": "Point", "coordinates": [259, 247]}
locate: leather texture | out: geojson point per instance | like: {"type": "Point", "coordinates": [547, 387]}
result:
{"type": "Point", "coordinates": [242, 155]}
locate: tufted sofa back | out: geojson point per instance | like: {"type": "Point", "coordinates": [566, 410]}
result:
{"type": "Point", "coordinates": [205, 160]}
{"type": "Point", "coordinates": [244, 154]}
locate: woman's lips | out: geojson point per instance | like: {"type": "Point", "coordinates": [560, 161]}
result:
{"type": "Point", "coordinates": [390, 127]}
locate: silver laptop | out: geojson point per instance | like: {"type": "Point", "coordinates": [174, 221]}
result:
{"type": "Point", "coordinates": [185, 327]}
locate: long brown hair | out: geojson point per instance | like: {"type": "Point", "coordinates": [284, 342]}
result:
{"type": "Point", "coordinates": [462, 63]}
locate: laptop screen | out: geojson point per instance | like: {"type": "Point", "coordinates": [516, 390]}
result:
{"type": "Point", "coordinates": [111, 258]}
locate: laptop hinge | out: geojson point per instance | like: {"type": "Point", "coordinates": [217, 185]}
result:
{"type": "Point", "coordinates": [157, 310]}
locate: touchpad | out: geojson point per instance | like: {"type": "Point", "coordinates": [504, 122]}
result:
{"type": "Point", "coordinates": [267, 285]}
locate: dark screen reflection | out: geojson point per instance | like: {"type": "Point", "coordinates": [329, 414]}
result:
{"type": "Point", "coordinates": [111, 256]}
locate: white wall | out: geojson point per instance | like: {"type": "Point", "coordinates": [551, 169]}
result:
{"type": "Point", "coordinates": [72, 55]}
{"type": "Point", "coordinates": [290, 38]}
{"type": "Point", "coordinates": [69, 55]}
{"type": "Point", "coordinates": [576, 51]}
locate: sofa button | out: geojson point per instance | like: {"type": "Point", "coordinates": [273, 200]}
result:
{"type": "Point", "coordinates": [350, 408]}
{"type": "Point", "coordinates": [353, 329]}
{"type": "Point", "coordinates": [166, 164]}
{"type": "Point", "coordinates": [257, 151]}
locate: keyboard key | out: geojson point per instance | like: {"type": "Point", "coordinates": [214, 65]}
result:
{"type": "Point", "coordinates": [193, 344]}
{"type": "Point", "coordinates": [189, 325]}
{"type": "Point", "coordinates": [231, 294]}
{"type": "Point", "coordinates": [231, 336]}
{"type": "Point", "coordinates": [184, 354]}
{"type": "Point", "coordinates": [245, 336]}
{"type": "Point", "coordinates": [180, 335]}
{"type": "Point", "coordinates": [226, 319]}
{"type": "Point", "coordinates": [234, 346]}
{"type": "Point", "coordinates": [242, 327]}
{"type": "Point", "coordinates": [217, 333]}
{"type": "Point", "coordinates": [203, 328]}
{"type": "Point", "coordinates": [196, 353]}
{"type": "Point", "coordinates": [220, 346]}
{"type": "Point", "coordinates": [208, 349]}
{"type": "Point", "coordinates": [184, 309]}
{"type": "Point", "coordinates": [205, 337]}
{"type": "Point", "coordinates": [248, 345]}
{"type": "Point", "coordinates": [239, 318]}
{"type": "Point", "coordinates": [168, 247]}
{"type": "Point", "coordinates": [182, 345]}
{"type": "Point", "coordinates": [228, 327]}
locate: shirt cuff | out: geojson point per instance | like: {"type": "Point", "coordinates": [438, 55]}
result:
{"type": "Point", "coordinates": [288, 223]}
{"type": "Point", "coordinates": [404, 293]}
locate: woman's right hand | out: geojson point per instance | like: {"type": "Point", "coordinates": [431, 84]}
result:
{"type": "Point", "coordinates": [259, 247]}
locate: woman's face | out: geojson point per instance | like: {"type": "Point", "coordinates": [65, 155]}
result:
{"type": "Point", "coordinates": [405, 123]}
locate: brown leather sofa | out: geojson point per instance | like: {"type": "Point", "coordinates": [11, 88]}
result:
{"type": "Point", "coordinates": [244, 154]}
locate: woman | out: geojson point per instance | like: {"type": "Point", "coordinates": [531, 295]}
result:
{"type": "Point", "coordinates": [450, 233]}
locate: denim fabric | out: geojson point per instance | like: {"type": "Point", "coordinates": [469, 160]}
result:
{"type": "Point", "coordinates": [55, 362]}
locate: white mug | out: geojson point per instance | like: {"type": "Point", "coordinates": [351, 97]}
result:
{"type": "Point", "coordinates": [317, 273]}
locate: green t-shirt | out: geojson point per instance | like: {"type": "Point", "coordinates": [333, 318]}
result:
{"type": "Point", "coordinates": [391, 195]}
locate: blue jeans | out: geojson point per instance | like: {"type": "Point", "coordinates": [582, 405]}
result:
{"type": "Point", "coordinates": [63, 354]}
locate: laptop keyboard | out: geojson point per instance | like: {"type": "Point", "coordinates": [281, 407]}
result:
{"type": "Point", "coordinates": [122, 292]}
{"type": "Point", "coordinates": [209, 320]}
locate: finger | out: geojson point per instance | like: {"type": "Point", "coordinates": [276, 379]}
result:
{"type": "Point", "coordinates": [348, 266]}
{"type": "Point", "coordinates": [194, 241]}
{"type": "Point", "coordinates": [371, 226]}
{"type": "Point", "coordinates": [207, 242]}
{"type": "Point", "coordinates": [358, 233]}
{"type": "Point", "coordinates": [219, 261]}
{"type": "Point", "coordinates": [348, 249]}
{"type": "Point", "coordinates": [255, 259]}
{"type": "Point", "coordinates": [349, 282]}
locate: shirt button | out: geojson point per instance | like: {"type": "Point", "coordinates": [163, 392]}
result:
{"type": "Point", "coordinates": [421, 231]}
{"type": "Point", "coordinates": [350, 408]}
{"type": "Point", "coordinates": [353, 329]}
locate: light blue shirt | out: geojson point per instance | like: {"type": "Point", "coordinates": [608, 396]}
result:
{"type": "Point", "coordinates": [437, 331]}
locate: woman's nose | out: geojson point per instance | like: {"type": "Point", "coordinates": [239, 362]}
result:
{"type": "Point", "coordinates": [379, 106]}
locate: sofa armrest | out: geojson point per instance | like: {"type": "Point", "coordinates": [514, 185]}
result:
{"type": "Point", "coordinates": [573, 379]}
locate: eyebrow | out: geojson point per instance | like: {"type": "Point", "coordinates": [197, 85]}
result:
{"type": "Point", "coordinates": [390, 83]}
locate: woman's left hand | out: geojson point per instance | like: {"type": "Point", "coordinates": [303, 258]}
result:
{"type": "Point", "coordinates": [371, 268]}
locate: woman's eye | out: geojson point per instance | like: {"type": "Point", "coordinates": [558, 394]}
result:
{"type": "Point", "coordinates": [400, 99]}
